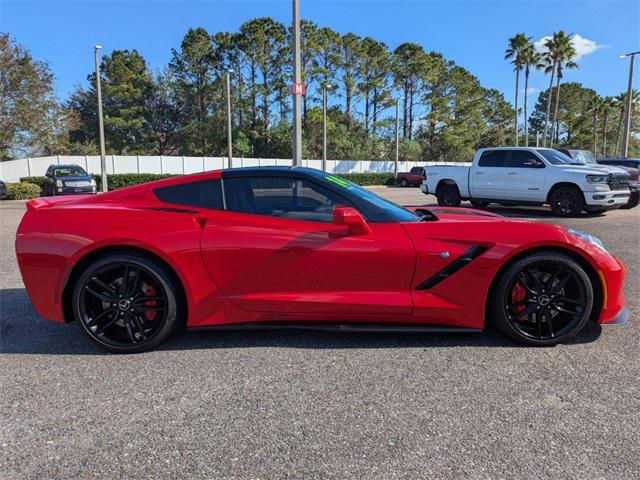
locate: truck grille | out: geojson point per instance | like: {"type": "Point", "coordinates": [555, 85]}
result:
{"type": "Point", "coordinates": [618, 181]}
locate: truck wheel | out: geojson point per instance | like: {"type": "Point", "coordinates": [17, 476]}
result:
{"type": "Point", "coordinates": [634, 199]}
{"type": "Point", "coordinates": [566, 201]}
{"type": "Point", "coordinates": [478, 204]}
{"type": "Point", "coordinates": [448, 195]}
{"type": "Point", "coordinates": [403, 182]}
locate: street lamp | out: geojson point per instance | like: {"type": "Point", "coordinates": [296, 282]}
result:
{"type": "Point", "coordinates": [103, 157]}
{"type": "Point", "coordinates": [395, 165]}
{"type": "Point", "coordinates": [229, 139]}
{"type": "Point", "coordinates": [627, 123]}
{"type": "Point", "coordinates": [324, 124]}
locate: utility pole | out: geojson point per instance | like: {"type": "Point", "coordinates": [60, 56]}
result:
{"type": "Point", "coordinates": [297, 88]}
{"type": "Point", "coordinates": [397, 156]}
{"type": "Point", "coordinates": [103, 155]}
{"type": "Point", "coordinates": [627, 123]}
{"type": "Point", "coordinates": [229, 138]}
{"type": "Point", "coordinates": [324, 125]}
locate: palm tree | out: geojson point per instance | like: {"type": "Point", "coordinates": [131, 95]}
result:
{"type": "Point", "coordinates": [563, 54]}
{"type": "Point", "coordinates": [531, 59]}
{"type": "Point", "coordinates": [515, 52]}
{"type": "Point", "coordinates": [607, 105]}
{"type": "Point", "coordinates": [621, 102]}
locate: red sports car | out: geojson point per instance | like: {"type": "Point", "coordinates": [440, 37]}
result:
{"type": "Point", "coordinates": [277, 247]}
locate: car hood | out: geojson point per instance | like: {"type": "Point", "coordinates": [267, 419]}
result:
{"type": "Point", "coordinates": [75, 178]}
{"type": "Point", "coordinates": [592, 169]}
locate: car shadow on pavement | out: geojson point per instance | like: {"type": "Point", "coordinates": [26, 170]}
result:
{"type": "Point", "coordinates": [23, 332]}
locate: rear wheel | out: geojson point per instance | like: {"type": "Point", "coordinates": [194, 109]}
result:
{"type": "Point", "coordinates": [448, 195]}
{"type": "Point", "coordinates": [543, 299]}
{"type": "Point", "coordinates": [404, 183]}
{"type": "Point", "coordinates": [566, 201]}
{"type": "Point", "coordinates": [479, 204]}
{"type": "Point", "coordinates": [126, 303]}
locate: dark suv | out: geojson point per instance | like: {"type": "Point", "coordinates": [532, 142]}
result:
{"type": "Point", "coordinates": [68, 180]}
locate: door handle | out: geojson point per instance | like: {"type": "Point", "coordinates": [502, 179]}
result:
{"type": "Point", "coordinates": [512, 173]}
{"type": "Point", "coordinates": [479, 173]}
{"type": "Point", "coordinates": [443, 255]}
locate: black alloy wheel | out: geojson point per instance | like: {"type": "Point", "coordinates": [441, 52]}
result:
{"type": "Point", "coordinates": [126, 303]}
{"type": "Point", "coordinates": [543, 299]}
{"type": "Point", "coordinates": [448, 195]}
{"type": "Point", "coordinates": [567, 201]}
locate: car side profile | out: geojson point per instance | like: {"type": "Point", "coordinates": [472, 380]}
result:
{"type": "Point", "coordinates": [528, 176]}
{"type": "Point", "coordinates": [413, 177]}
{"type": "Point", "coordinates": [280, 247]}
{"type": "Point", "coordinates": [67, 180]}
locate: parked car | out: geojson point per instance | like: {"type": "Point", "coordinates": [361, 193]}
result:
{"type": "Point", "coordinates": [584, 157]}
{"type": "Point", "coordinates": [282, 247]}
{"type": "Point", "coordinates": [413, 177]}
{"type": "Point", "coordinates": [528, 176]}
{"type": "Point", "coordinates": [3, 190]}
{"type": "Point", "coordinates": [620, 162]}
{"type": "Point", "coordinates": [67, 180]}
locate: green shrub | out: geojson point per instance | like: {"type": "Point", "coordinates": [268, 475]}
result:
{"type": "Point", "coordinates": [122, 180]}
{"type": "Point", "coordinates": [35, 180]}
{"type": "Point", "coordinates": [365, 179]}
{"type": "Point", "coordinates": [22, 191]}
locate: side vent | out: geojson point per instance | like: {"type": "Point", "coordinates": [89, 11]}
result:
{"type": "Point", "coordinates": [467, 257]}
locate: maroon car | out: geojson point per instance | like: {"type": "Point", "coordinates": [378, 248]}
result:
{"type": "Point", "coordinates": [413, 177]}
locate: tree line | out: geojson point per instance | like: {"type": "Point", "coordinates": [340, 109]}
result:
{"type": "Point", "coordinates": [445, 113]}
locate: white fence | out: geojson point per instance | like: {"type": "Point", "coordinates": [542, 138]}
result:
{"type": "Point", "coordinates": [12, 170]}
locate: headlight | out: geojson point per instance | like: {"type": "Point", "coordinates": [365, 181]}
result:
{"type": "Point", "coordinates": [93, 182]}
{"type": "Point", "coordinates": [597, 178]}
{"type": "Point", "coordinates": [59, 183]}
{"type": "Point", "coordinates": [595, 241]}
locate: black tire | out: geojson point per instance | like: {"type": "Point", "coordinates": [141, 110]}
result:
{"type": "Point", "coordinates": [479, 204]}
{"type": "Point", "coordinates": [448, 195]}
{"type": "Point", "coordinates": [634, 199]}
{"type": "Point", "coordinates": [566, 201]}
{"type": "Point", "coordinates": [557, 299]}
{"type": "Point", "coordinates": [130, 317]}
{"type": "Point", "coordinates": [404, 183]}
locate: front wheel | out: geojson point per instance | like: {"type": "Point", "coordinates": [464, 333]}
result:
{"type": "Point", "coordinates": [126, 303]}
{"type": "Point", "coordinates": [566, 201]}
{"type": "Point", "coordinates": [634, 199]}
{"type": "Point", "coordinates": [543, 299]}
{"type": "Point", "coordinates": [448, 195]}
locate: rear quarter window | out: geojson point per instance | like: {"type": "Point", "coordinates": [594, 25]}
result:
{"type": "Point", "coordinates": [493, 158]}
{"type": "Point", "coordinates": [204, 194]}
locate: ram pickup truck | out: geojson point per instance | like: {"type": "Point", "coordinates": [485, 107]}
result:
{"type": "Point", "coordinates": [528, 176]}
{"type": "Point", "coordinates": [413, 177]}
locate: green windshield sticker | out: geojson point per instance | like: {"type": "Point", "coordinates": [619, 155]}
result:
{"type": "Point", "coordinates": [338, 181]}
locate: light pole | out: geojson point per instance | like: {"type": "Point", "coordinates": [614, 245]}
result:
{"type": "Point", "coordinates": [229, 139]}
{"type": "Point", "coordinates": [324, 125]}
{"type": "Point", "coordinates": [297, 79]}
{"type": "Point", "coordinates": [397, 156]}
{"type": "Point", "coordinates": [103, 156]}
{"type": "Point", "coordinates": [627, 123]}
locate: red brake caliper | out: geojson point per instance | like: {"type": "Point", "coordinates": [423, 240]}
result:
{"type": "Point", "coordinates": [150, 292]}
{"type": "Point", "coordinates": [518, 293]}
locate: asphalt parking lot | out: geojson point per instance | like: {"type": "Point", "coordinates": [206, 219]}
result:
{"type": "Point", "coordinates": [316, 404]}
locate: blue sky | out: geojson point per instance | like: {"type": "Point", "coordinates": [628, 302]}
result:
{"type": "Point", "coordinates": [471, 33]}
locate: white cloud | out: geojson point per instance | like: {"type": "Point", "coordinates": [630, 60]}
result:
{"type": "Point", "coordinates": [532, 90]}
{"type": "Point", "coordinates": [582, 45]}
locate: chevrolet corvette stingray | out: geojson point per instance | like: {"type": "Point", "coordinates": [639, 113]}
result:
{"type": "Point", "coordinates": [282, 247]}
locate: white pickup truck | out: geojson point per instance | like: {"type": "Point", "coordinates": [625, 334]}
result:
{"type": "Point", "coordinates": [528, 176]}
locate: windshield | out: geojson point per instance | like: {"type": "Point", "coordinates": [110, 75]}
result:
{"type": "Point", "coordinates": [71, 171]}
{"type": "Point", "coordinates": [555, 157]}
{"type": "Point", "coordinates": [385, 208]}
{"type": "Point", "coordinates": [583, 157]}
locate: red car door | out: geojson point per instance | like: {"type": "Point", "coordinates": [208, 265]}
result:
{"type": "Point", "coordinates": [276, 249]}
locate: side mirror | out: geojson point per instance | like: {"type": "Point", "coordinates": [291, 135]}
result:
{"type": "Point", "coordinates": [352, 219]}
{"type": "Point", "coordinates": [533, 163]}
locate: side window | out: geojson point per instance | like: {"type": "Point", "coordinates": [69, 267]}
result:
{"type": "Point", "coordinates": [415, 171]}
{"type": "Point", "coordinates": [282, 197]}
{"type": "Point", "coordinates": [523, 159]}
{"type": "Point", "coordinates": [493, 158]}
{"type": "Point", "coordinates": [205, 194]}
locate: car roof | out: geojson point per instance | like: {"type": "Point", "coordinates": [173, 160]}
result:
{"type": "Point", "coordinates": [64, 165]}
{"type": "Point", "coordinates": [270, 171]}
